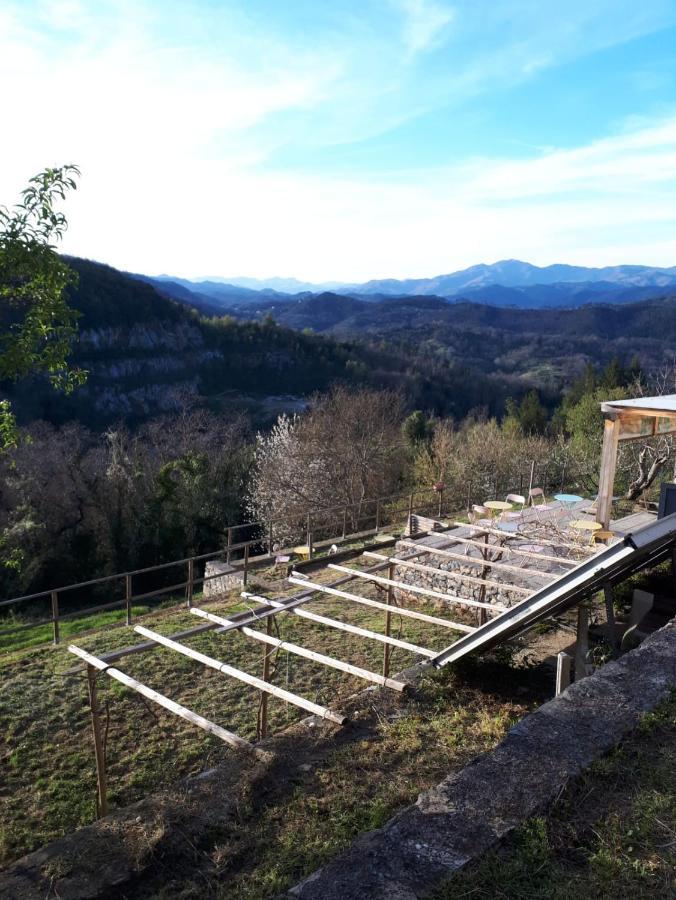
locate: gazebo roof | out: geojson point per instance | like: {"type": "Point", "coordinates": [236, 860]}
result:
{"type": "Point", "coordinates": [665, 405]}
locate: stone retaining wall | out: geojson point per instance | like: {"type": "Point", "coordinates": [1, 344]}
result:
{"type": "Point", "coordinates": [471, 811]}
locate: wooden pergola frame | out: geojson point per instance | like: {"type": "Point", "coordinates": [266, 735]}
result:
{"type": "Point", "coordinates": [629, 420]}
{"type": "Point", "coordinates": [267, 608]}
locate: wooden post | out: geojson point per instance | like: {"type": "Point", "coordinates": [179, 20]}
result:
{"type": "Point", "coordinates": [611, 432]}
{"type": "Point", "coordinates": [469, 495]}
{"type": "Point", "coordinates": [191, 581]}
{"type": "Point", "coordinates": [263, 720]}
{"type": "Point", "coordinates": [563, 661]}
{"type": "Point", "coordinates": [55, 615]}
{"type": "Point", "coordinates": [530, 480]}
{"type": "Point", "coordinates": [410, 515]}
{"type": "Point", "coordinates": [610, 615]}
{"type": "Point", "coordinates": [388, 624]}
{"type": "Point", "coordinates": [99, 750]}
{"type": "Point", "coordinates": [245, 569]}
{"type": "Point", "coordinates": [441, 501]}
{"type": "Point", "coordinates": [270, 539]}
{"type": "Point", "coordinates": [377, 516]}
{"type": "Point", "coordinates": [344, 522]}
{"type": "Point", "coordinates": [127, 597]}
{"type": "Point", "coordinates": [229, 551]}
{"type": "Point", "coordinates": [582, 642]}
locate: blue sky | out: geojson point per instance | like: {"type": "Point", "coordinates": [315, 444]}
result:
{"type": "Point", "coordinates": [348, 140]}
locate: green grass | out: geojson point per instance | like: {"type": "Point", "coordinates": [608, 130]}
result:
{"type": "Point", "coordinates": [611, 835]}
{"type": "Point", "coordinates": [47, 775]}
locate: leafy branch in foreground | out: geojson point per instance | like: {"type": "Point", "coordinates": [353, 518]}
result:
{"type": "Point", "coordinates": [37, 325]}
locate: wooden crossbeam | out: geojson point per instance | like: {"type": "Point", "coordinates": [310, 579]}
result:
{"type": "Point", "coordinates": [481, 563]}
{"type": "Point", "coordinates": [396, 610]}
{"type": "Point", "coordinates": [431, 570]}
{"type": "Point", "coordinates": [499, 548]}
{"type": "Point", "coordinates": [351, 629]}
{"type": "Point", "coordinates": [227, 736]}
{"type": "Point", "coordinates": [242, 676]}
{"type": "Point", "coordinates": [415, 589]}
{"type": "Point", "coordinates": [485, 529]}
{"type": "Point", "coordinates": [329, 661]}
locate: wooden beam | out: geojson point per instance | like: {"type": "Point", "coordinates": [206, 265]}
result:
{"type": "Point", "coordinates": [99, 749]}
{"type": "Point", "coordinates": [506, 548]}
{"type": "Point", "coordinates": [539, 540]}
{"type": "Point", "coordinates": [425, 592]}
{"type": "Point", "coordinates": [354, 629]}
{"type": "Point", "coordinates": [329, 661]}
{"type": "Point", "coordinates": [227, 736]}
{"type": "Point", "coordinates": [432, 570]}
{"type": "Point", "coordinates": [398, 610]}
{"type": "Point", "coordinates": [239, 675]}
{"type": "Point", "coordinates": [604, 501]}
{"type": "Point", "coordinates": [481, 562]}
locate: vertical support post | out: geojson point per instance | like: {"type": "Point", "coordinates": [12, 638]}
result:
{"type": "Point", "coordinates": [483, 613]}
{"type": "Point", "coordinates": [228, 557]}
{"type": "Point", "coordinates": [409, 528]}
{"type": "Point", "coordinates": [99, 750]}
{"type": "Point", "coordinates": [582, 642]}
{"type": "Point", "coordinates": [308, 534]}
{"type": "Point", "coordinates": [611, 432]}
{"type": "Point", "coordinates": [55, 615]}
{"type": "Point", "coordinates": [344, 522]}
{"type": "Point", "coordinates": [270, 539]}
{"type": "Point", "coordinates": [610, 614]}
{"type": "Point", "coordinates": [530, 480]}
{"type": "Point", "coordinates": [377, 516]}
{"type": "Point", "coordinates": [469, 495]}
{"type": "Point", "coordinates": [563, 661]}
{"type": "Point", "coordinates": [245, 569]}
{"type": "Point", "coordinates": [191, 581]}
{"type": "Point", "coordinates": [127, 597]}
{"type": "Point", "coordinates": [388, 623]}
{"type": "Point", "coordinates": [441, 501]}
{"type": "Point", "coordinates": [263, 717]}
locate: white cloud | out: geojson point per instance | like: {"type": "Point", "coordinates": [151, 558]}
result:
{"type": "Point", "coordinates": [424, 23]}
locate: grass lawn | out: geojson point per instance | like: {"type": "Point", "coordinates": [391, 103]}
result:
{"type": "Point", "coordinates": [399, 746]}
{"type": "Point", "coordinates": [612, 834]}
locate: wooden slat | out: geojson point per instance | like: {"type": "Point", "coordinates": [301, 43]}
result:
{"type": "Point", "coordinates": [451, 573]}
{"type": "Point", "coordinates": [536, 540]}
{"type": "Point", "coordinates": [329, 661]}
{"type": "Point", "coordinates": [354, 629]}
{"type": "Point", "coordinates": [239, 675]}
{"type": "Point", "coordinates": [425, 592]}
{"type": "Point", "coordinates": [481, 562]}
{"type": "Point", "coordinates": [506, 548]}
{"type": "Point", "coordinates": [395, 610]}
{"type": "Point", "coordinates": [227, 736]}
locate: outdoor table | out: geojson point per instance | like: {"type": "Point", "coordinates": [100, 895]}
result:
{"type": "Point", "coordinates": [498, 505]}
{"type": "Point", "coordinates": [582, 525]}
{"type": "Point", "coordinates": [568, 500]}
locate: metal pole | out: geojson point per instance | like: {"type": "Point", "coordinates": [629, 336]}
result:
{"type": "Point", "coordinates": [308, 534]}
{"type": "Point", "coordinates": [127, 597]}
{"type": "Point", "coordinates": [191, 581]}
{"type": "Point", "coordinates": [377, 516]}
{"type": "Point", "coordinates": [344, 522]}
{"type": "Point", "coordinates": [245, 570]}
{"type": "Point", "coordinates": [270, 538]}
{"type": "Point", "coordinates": [99, 750]}
{"type": "Point", "coordinates": [229, 553]}
{"type": "Point", "coordinates": [441, 500]}
{"type": "Point", "coordinates": [55, 615]}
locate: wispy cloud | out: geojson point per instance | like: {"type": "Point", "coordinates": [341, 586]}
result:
{"type": "Point", "coordinates": [424, 22]}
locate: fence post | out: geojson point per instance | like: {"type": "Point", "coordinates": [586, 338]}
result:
{"type": "Point", "coordinates": [245, 570]}
{"type": "Point", "coordinates": [128, 596]}
{"type": "Point", "coordinates": [469, 495]}
{"type": "Point", "coordinates": [377, 515]}
{"type": "Point", "coordinates": [229, 553]}
{"type": "Point", "coordinates": [441, 501]}
{"type": "Point", "coordinates": [55, 615]}
{"type": "Point", "coordinates": [99, 749]}
{"type": "Point", "coordinates": [344, 522]}
{"type": "Point", "coordinates": [191, 580]}
{"type": "Point", "coordinates": [308, 534]}
{"type": "Point", "coordinates": [270, 539]}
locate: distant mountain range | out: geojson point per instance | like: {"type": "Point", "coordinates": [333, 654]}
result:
{"type": "Point", "coordinates": [508, 283]}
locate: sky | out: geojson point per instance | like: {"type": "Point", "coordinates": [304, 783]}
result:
{"type": "Point", "coordinates": [347, 140]}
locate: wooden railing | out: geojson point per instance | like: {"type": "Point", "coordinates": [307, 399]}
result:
{"type": "Point", "coordinates": [252, 544]}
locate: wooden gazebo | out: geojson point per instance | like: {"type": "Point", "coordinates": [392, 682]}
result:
{"type": "Point", "coordinates": [629, 420]}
